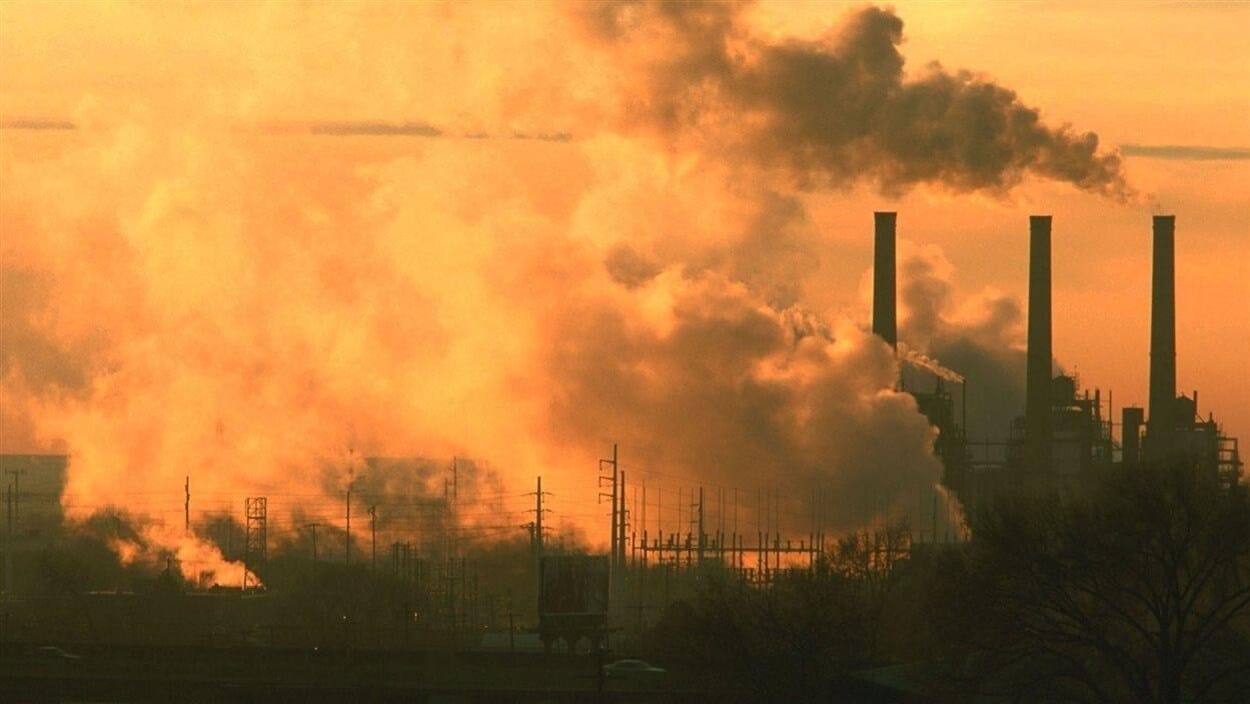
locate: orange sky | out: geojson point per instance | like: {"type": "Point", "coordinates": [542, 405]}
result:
{"type": "Point", "coordinates": [428, 274]}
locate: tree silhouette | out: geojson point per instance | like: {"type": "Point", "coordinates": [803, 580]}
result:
{"type": "Point", "coordinates": [1136, 590]}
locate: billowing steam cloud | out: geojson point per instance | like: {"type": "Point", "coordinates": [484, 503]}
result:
{"type": "Point", "coordinates": [739, 392]}
{"type": "Point", "coordinates": [835, 110]}
{"type": "Point", "coordinates": [981, 339]}
{"type": "Point", "coordinates": [261, 312]}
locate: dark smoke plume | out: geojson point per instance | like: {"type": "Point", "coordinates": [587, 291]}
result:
{"type": "Point", "coordinates": [838, 109]}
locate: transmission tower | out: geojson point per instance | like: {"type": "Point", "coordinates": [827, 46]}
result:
{"type": "Point", "coordinates": [255, 551]}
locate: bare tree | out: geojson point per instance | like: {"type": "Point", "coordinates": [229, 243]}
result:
{"type": "Point", "coordinates": [1137, 590]}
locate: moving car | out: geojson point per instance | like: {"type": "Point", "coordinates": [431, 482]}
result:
{"type": "Point", "coordinates": [625, 668]}
{"type": "Point", "coordinates": [51, 652]}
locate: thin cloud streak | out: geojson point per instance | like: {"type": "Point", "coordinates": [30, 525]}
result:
{"type": "Point", "coordinates": [37, 125]}
{"type": "Point", "coordinates": [1187, 152]}
{"type": "Point", "coordinates": [416, 129]}
{"type": "Point", "coordinates": [332, 128]}
{"type": "Point", "coordinates": [381, 128]}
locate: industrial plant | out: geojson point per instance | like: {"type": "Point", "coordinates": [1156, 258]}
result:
{"type": "Point", "coordinates": [1066, 435]}
{"type": "Point", "coordinates": [445, 572]}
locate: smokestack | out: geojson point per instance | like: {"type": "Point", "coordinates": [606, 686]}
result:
{"type": "Point", "coordinates": [884, 310]}
{"type": "Point", "coordinates": [1038, 386]}
{"type": "Point", "coordinates": [1159, 429]}
{"type": "Point", "coordinates": [1131, 418]}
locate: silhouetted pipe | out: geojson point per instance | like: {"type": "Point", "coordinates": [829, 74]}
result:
{"type": "Point", "coordinates": [1037, 383]}
{"type": "Point", "coordinates": [1131, 418]}
{"type": "Point", "coordinates": [884, 309]}
{"type": "Point", "coordinates": [1162, 424]}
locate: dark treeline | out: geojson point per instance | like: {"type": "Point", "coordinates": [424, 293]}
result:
{"type": "Point", "coordinates": [1133, 587]}
{"type": "Point", "coordinates": [1136, 590]}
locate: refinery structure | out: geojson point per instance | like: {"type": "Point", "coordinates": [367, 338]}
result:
{"type": "Point", "coordinates": [442, 576]}
{"type": "Point", "coordinates": [1066, 434]}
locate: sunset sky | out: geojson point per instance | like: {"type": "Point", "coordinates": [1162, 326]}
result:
{"type": "Point", "coordinates": [282, 235]}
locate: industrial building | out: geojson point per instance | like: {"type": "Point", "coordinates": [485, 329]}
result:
{"type": "Point", "coordinates": [1066, 434]}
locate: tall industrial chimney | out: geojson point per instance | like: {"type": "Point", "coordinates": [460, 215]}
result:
{"type": "Point", "coordinates": [1161, 424]}
{"type": "Point", "coordinates": [884, 310]}
{"type": "Point", "coordinates": [1037, 384]}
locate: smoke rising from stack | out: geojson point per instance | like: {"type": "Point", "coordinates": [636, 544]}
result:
{"type": "Point", "coordinates": [260, 312]}
{"type": "Point", "coordinates": [836, 110]}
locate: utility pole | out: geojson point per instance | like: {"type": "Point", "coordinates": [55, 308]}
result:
{"type": "Point", "coordinates": [659, 514]}
{"type": "Point", "coordinates": [777, 511]}
{"type": "Point", "coordinates": [615, 563]}
{"type": "Point", "coordinates": [612, 497]}
{"type": "Point", "coordinates": [681, 526]}
{"type": "Point", "coordinates": [455, 505]}
{"type": "Point", "coordinates": [17, 494]}
{"type": "Point", "coordinates": [720, 519]}
{"type": "Point", "coordinates": [620, 517]}
{"type": "Point", "coordinates": [701, 540]}
{"type": "Point", "coordinates": [313, 527]}
{"type": "Point", "coordinates": [537, 541]}
{"type": "Point", "coordinates": [777, 522]}
{"type": "Point", "coordinates": [760, 521]}
{"type": "Point", "coordinates": [373, 538]}
{"type": "Point", "coordinates": [642, 521]}
{"type": "Point", "coordinates": [538, 516]}
{"type": "Point", "coordinates": [8, 539]}
{"type": "Point", "coordinates": [349, 525]}
{"type": "Point", "coordinates": [186, 507]}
